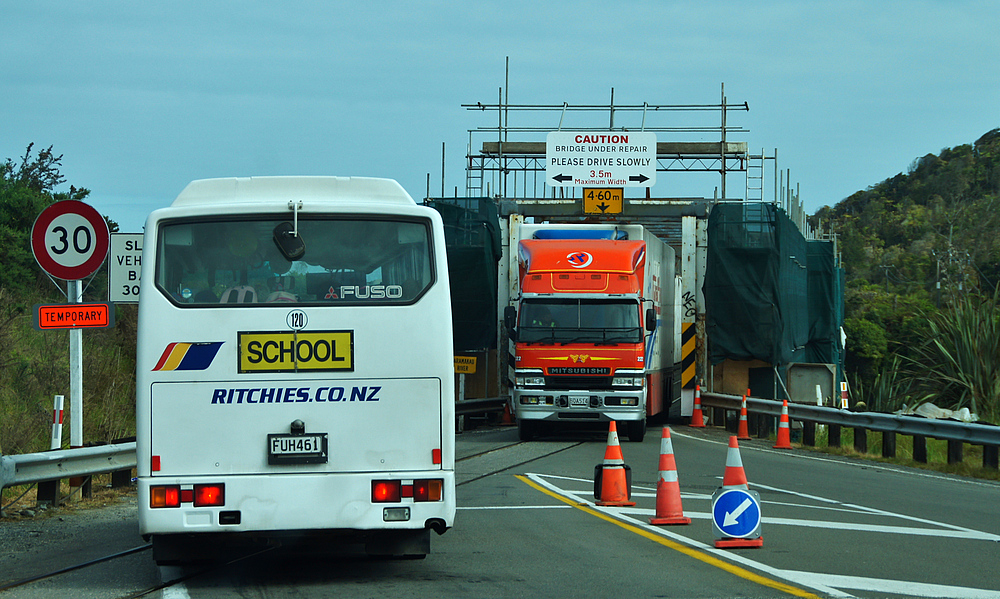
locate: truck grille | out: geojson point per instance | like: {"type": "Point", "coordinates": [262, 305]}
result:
{"type": "Point", "coordinates": [578, 382]}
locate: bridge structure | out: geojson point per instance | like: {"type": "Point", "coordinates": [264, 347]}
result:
{"type": "Point", "coordinates": [506, 165]}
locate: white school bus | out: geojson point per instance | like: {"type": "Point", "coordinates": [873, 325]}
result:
{"type": "Point", "coordinates": [294, 369]}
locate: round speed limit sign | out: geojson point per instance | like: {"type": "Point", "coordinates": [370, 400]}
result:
{"type": "Point", "coordinates": [70, 240]}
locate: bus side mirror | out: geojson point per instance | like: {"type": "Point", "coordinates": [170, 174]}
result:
{"type": "Point", "coordinates": [510, 320]}
{"type": "Point", "coordinates": [650, 319]}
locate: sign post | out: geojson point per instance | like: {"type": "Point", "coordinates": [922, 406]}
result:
{"type": "Point", "coordinates": [70, 241]}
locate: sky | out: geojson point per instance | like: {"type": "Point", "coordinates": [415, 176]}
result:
{"type": "Point", "coordinates": [140, 98]}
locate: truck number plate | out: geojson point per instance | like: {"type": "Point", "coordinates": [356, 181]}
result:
{"type": "Point", "coordinates": [579, 400]}
{"type": "Point", "coordinates": [284, 448]}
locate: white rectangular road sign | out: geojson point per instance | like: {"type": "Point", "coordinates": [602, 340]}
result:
{"type": "Point", "coordinates": [125, 264]}
{"type": "Point", "coordinates": [600, 159]}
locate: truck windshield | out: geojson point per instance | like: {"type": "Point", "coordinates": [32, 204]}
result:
{"type": "Point", "coordinates": [580, 321]}
{"type": "Point", "coordinates": [236, 261]}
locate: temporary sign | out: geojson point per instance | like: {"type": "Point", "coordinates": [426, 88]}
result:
{"type": "Point", "coordinates": [600, 159]}
{"type": "Point", "coordinates": [70, 240]}
{"type": "Point", "coordinates": [74, 316]}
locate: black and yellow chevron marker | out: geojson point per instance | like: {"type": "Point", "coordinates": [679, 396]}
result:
{"type": "Point", "coordinates": [687, 355]}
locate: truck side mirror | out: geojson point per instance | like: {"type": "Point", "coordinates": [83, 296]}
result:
{"type": "Point", "coordinates": [650, 319]}
{"type": "Point", "coordinates": [510, 320]}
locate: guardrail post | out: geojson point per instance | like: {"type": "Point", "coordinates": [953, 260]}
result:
{"type": "Point", "coordinates": [954, 452]}
{"type": "Point", "coordinates": [888, 444]}
{"type": "Point", "coordinates": [122, 478]}
{"type": "Point", "coordinates": [990, 456]}
{"type": "Point", "coordinates": [860, 440]}
{"type": "Point", "coordinates": [920, 449]}
{"type": "Point", "coordinates": [809, 434]}
{"type": "Point", "coordinates": [47, 493]}
{"type": "Point", "coordinates": [833, 438]}
{"type": "Point", "coordinates": [764, 426]}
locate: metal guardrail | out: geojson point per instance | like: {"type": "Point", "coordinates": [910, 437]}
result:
{"type": "Point", "coordinates": [65, 463]}
{"type": "Point", "coordinates": [479, 405]}
{"type": "Point", "coordinates": [950, 430]}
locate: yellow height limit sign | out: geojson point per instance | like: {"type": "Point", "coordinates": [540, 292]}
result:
{"type": "Point", "coordinates": [465, 364]}
{"type": "Point", "coordinates": [603, 200]}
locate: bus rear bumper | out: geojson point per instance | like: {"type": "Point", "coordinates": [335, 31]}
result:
{"type": "Point", "coordinates": [298, 502]}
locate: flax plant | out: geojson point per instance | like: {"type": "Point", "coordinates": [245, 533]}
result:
{"type": "Point", "coordinates": [958, 364]}
{"type": "Point", "coordinates": [889, 391]}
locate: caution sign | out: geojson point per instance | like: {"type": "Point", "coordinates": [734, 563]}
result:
{"type": "Point", "coordinates": [602, 159]}
{"type": "Point", "coordinates": [465, 364]}
{"type": "Point", "coordinates": [290, 351]}
{"type": "Point", "coordinates": [74, 316]}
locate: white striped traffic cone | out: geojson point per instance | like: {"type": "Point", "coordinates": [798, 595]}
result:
{"type": "Point", "coordinates": [614, 481]}
{"type": "Point", "coordinates": [668, 490]}
{"type": "Point", "coordinates": [734, 477]}
{"type": "Point", "coordinates": [742, 431]}
{"type": "Point", "coordinates": [784, 433]}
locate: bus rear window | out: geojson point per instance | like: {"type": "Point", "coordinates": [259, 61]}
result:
{"type": "Point", "coordinates": [334, 261]}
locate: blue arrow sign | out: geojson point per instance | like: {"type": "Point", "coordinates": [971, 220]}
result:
{"type": "Point", "coordinates": [736, 513]}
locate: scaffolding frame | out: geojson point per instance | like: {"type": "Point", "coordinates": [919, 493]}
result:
{"type": "Point", "coordinates": [510, 169]}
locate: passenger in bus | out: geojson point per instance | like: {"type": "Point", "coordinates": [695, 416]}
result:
{"type": "Point", "coordinates": [206, 296]}
{"type": "Point", "coordinates": [281, 296]}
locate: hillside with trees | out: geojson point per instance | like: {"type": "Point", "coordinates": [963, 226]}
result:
{"type": "Point", "coordinates": [921, 251]}
{"type": "Point", "coordinates": [34, 365]}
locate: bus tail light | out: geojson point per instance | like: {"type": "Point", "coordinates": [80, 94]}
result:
{"type": "Point", "coordinates": [386, 491]}
{"type": "Point", "coordinates": [209, 495]}
{"type": "Point", "coordinates": [165, 496]}
{"type": "Point", "coordinates": [394, 491]}
{"type": "Point", "coordinates": [427, 490]}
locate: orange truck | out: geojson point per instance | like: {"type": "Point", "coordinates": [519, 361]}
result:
{"type": "Point", "coordinates": [593, 327]}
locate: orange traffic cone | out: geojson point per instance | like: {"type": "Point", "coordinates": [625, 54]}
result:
{"type": "Point", "coordinates": [784, 434]}
{"type": "Point", "coordinates": [668, 490]}
{"type": "Point", "coordinates": [734, 476]}
{"type": "Point", "coordinates": [508, 418]}
{"type": "Point", "coordinates": [741, 432]}
{"type": "Point", "coordinates": [697, 419]}
{"type": "Point", "coordinates": [614, 482]}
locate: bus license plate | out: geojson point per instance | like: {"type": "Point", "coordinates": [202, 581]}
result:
{"type": "Point", "coordinates": [284, 448]}
{"type": "Point", "coordinates": [579, 400]}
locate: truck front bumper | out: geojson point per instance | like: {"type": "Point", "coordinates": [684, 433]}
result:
{"type": "Point", "coordinates": [560, 404]}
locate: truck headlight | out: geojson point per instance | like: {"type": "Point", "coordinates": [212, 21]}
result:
{"type": "Point", "coordinates": [529, 380]}
{"type": "Point", "coordinates": [627, 380]}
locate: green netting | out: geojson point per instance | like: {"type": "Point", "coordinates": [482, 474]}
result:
{"type": "Point", "coordinates": [826, 304]}
{"type": "Point", "coordinates": [472, 236]}
{"type": "Point", "coordinates": [769, 294]}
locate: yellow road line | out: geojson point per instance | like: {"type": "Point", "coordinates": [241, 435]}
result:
{"type": "Point", "coordinates": [689, 551]}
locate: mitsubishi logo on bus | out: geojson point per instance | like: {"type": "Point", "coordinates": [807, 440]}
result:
{"type": "Point", "coordinates": [579, 259]}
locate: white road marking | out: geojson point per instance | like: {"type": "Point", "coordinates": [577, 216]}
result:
{"type": "Point", "coordinates": [830, 584]}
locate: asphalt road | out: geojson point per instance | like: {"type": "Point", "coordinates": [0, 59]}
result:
{"type": "Point", "coordinates": [527, 526]}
